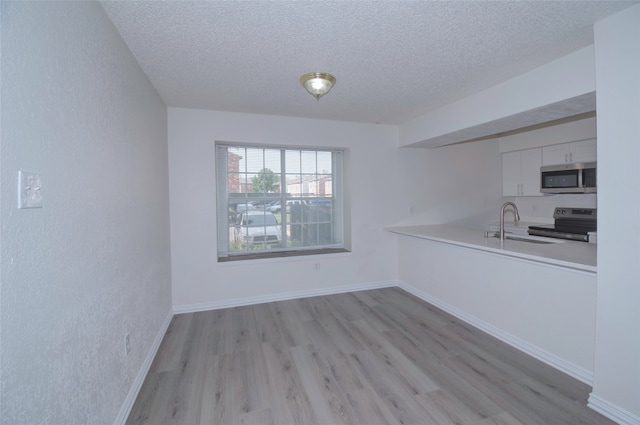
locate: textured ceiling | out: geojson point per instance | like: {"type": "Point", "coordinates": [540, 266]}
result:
{"type": "Point", "coordinates": [393, 60]}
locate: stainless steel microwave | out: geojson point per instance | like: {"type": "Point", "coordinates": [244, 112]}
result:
{"type": "Point", "coordinates": [568, 178]}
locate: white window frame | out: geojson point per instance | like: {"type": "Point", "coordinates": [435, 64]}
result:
{"type": "Point", "coordinates": [337, 222]}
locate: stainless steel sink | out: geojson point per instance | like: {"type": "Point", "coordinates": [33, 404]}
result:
{"type": "Point", "coordinates": [530, 239]}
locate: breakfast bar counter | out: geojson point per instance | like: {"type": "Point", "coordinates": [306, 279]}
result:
{"type": "Point", "coordinates": [562, 253]}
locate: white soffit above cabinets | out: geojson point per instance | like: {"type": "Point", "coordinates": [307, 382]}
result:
{"type": "Point", "coordinates": [577, 108]}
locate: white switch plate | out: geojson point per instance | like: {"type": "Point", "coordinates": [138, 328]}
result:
{"type": "Point", "coordinates": [29, 190]}
{"type": "Point", "coordinates": [127, 344]}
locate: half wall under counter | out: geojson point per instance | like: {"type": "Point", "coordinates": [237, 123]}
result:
{"type": "Point", "coordinates": [573, 255]}
{"type": "Point", "coordinates": [540, 299]}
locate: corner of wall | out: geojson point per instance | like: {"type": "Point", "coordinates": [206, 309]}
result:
{"type": "Point", "coordinates": [127, 405]}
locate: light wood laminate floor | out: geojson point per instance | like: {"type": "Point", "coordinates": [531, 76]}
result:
{"type": "Point", "coordinates": [370, 357]}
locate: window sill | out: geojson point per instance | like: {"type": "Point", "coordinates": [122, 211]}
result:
{"type": "Point", "coordinates": [281, 254]}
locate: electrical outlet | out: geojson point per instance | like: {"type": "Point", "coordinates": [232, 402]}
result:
{"type": "Point", "coordinates": [29, 190]}
{"type": "Point", "coordinates": [316, 267]}
{"type": "Point", "coordinates": [411, 209]}
{"type": "Point", "coordinates": [127, 344]}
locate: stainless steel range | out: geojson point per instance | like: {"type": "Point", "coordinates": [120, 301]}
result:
{"type": "Point", "coordinates": [570, 223]}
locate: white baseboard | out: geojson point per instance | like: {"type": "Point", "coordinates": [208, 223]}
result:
{"type": "Point", "coordinates": [127, 405]}
{"type": "Point", "coordinates": [552, 360]}
{"type": "Point", "coordinates": [611, 411]}
{"type": "Point", "coordinates": [238, 302]}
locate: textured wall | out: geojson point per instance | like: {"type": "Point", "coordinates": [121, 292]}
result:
{"type": "Point", "coordinates": [616, 386]}
{"type": "Point", "coordinates": [94, 263]}
{"type": "Point", "coordinates": [198, 278]}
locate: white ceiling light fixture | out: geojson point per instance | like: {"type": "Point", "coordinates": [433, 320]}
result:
{"type": "Point", "coordinates": [317, 83]}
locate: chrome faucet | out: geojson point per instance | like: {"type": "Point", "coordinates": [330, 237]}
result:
{"type": "Point", "coordinates": [515, 211]}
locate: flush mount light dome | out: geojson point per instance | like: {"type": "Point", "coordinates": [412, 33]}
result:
{"type": "Point", "coordinates": [317, 83]}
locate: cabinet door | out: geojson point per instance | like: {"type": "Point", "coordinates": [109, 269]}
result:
{"type": "Point", "coordinates": [584, 151]}
{"type": "Point", "coordinates": [556, 154]}
{"type": "Point", "coordinates": [530, 160]}
{"type": "Point", "coordinates": [567, 153]}
{"type": "Point", "coordinates": [511, 173]}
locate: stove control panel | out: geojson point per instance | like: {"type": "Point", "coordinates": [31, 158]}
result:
{"type": "Point", "coordinates": [581, 213]}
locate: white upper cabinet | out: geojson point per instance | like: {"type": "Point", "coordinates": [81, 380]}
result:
{"type": "Point", "coordinates": [584, 151]}
{"type": "Point", "coordinates": [521, 172]}
{"type": "Point", "coordinates": [567, 153]}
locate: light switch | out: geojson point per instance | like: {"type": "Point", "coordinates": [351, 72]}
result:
{"type": "Point", "coordinates": [29, 190]}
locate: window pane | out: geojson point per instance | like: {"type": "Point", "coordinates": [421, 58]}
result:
{"type": "Point", "coordinates": [255, 230]}
{"type": "Point", "coordinates": [324, 162]}
{"type": "Point", "coordinates": [308, 161]}
{"type": "Point", "coordinates": [235, 158]}
{"type": "Point", "coordinates": [293, 161]}
{"type": "Point", "coordinates": [242, 184]}
{"type": "Point", "coordinates": [272, 160]}
{"type": "Point", "coordinates": [325, 185]}
{"type": "Point", "coordinates": [233, 182]}
{"type": "Point", "coordinates": [311, 223]}
{"type": "Point", "coordinates": [295, 236]}
{"type": "Point", "coordinates": [294, 185]}
{"type": "Point", "coordinates": [255, 160]}
{"type": "Point", "coordinates": [310, 186]}
{"type": "Point", "coordinates": [267, 181]}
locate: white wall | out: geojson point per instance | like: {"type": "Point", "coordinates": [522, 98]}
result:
{"type": "Point", "coordinates": [547, 311]}
{"type": "Point", "coordinates": [200, 282]}
{"type": "Point", "coordinates": [93, 263]}
{"type": "Point", "coordinates": [617, 365]}
{"type": "Point", "coordinates": [458, 184]}
{"type": "Point", "coordinates": [581, 129]}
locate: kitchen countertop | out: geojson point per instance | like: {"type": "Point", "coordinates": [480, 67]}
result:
{"type": "Point", "coordinates": [569, 254]}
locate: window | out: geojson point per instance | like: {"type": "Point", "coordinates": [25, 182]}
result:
{"type": "Point", "coordinates": [274, 202]}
